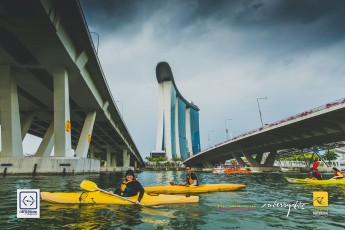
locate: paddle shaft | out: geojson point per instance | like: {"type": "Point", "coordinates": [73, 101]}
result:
{"type": "Point", "coordinates": [91, 186]}
{"type": "Point", "coordinates": [118, 196]}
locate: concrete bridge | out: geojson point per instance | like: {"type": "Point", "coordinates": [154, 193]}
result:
{"type": "Point", "coordinates": [315, 127]}
{"type": "Point", "coordinates": [52, 86]}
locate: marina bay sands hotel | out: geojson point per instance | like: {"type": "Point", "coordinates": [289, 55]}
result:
{"type": "Point", "coordinates": [178, 133]}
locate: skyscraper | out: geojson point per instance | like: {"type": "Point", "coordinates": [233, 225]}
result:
{"type": "Point", "coordinates": [178, 120]}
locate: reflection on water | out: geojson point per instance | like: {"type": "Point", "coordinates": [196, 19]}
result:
{"type": "Point", "coordinates": [214, 210]}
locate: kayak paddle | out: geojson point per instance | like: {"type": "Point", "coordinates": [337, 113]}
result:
{"type": "Point", "coordinates": [91, 186]}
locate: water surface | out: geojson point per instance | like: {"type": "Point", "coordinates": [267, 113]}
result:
{"type": "Point", "coordinates": [252, 208]}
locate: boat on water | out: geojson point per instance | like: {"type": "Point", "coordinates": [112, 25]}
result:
{"type": "Point", "coordinates": [99, 197]}
{"type": "Point", "coordinates": [230, 169]}
{"type": "Point", "coordinates": [317, 182]}
{"type": "Point", "coordinates": [176, 189]}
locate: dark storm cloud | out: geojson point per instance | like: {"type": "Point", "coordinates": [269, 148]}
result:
{"type": "Point", "coordinates": [116, 14]}
{"type": "Point", "coordinates": [286, 50]}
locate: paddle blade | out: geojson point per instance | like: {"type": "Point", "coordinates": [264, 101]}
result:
{"type": "Point", "coordinates": [316, 164]}
{"type": "Point", "coordinates": [89, 186]}
{"type": "Point", "coordinates": [172, 183]}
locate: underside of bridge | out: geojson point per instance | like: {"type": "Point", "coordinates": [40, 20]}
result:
{"type": "Point", "coordinates": [323, 127]}
{"type": "Point", "coordinates": [52, 86]}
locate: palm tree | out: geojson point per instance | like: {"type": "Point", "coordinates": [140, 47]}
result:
{"type": "Point", "coordinates": [330, 155]}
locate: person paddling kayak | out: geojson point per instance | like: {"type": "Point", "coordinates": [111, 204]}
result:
{"type": "Point", "coordinates": [314, 174]}
{"type": "Point", "coordinates": [337, 174]}
{"type": "Point", "coordinates": [191, 177]}
{"type": "Point", "coordinates": [130, 187]}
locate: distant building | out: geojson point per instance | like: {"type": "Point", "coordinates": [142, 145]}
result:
{"type": "Point", "coordinates": [156, 154]}
{"type": "Point", "coordinates": [178, 120]}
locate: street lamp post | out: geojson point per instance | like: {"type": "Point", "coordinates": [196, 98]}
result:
{"type": "Point", "coordinates": [121, 107]}
{"type": "Point", "coordinates": [257, 99]}
{"type": "Point", "coordinates": [226, 130]}
{"type": "Point", "coordinates": [97, 40]}
{"type": "Point", "coordinates": [209, 140]}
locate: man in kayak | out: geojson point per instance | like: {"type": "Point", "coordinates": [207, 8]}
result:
{"type": "Point", "coordinates": [314, 174]}
{"type": "Point", "coordinates": [130, 187]}
{"type": "Point", "coordinates": [191, 177]}
{"type": "Point", "coordinates": [337, 174]}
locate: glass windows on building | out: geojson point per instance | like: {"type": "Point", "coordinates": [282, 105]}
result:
{"type": "Point", "coordinates": [182, 128]}
{"type": "Point", "coordinates": [194, 127]}
{"type": "Point", "coordinates": [173, 120]}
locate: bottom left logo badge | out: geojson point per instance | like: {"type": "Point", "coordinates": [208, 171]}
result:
{"type": "Point", "coordinates": [28, 203]}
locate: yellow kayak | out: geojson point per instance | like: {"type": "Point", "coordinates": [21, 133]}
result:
{"type": "Point", "coordinates": [306, 181]}
{"type": "Point", "coordinates": [99, 197]}
{"type": "Point", "coordinates": [194, 189]}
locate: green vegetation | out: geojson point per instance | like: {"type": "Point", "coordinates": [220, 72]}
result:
{"type": "Point", "coordinates": [176, 159]}
{"type": "Point", "coordinates": [330, 155]}
{"type": "Point", "coordinates": [156, 159]}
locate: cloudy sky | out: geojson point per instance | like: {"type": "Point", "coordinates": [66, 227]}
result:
{"type": "Point", "coordinates": [224, 54]}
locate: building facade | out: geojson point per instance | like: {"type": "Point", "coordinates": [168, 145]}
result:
{"type": "Point", "coordinates": [178, 120]}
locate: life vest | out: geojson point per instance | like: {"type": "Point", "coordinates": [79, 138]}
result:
{"type": "Point", "coordinates": [318, 175]}
{"type": "Point", "coordinates": [125, 190]}
{"type": "Point", "coordinates": [190, 180]}
{"type": "Point", "coordinates": [338, 173]}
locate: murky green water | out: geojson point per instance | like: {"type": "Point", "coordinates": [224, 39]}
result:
{"type": "Point", "coordinates": [214, 211]}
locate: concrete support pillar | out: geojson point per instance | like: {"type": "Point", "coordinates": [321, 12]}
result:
{"type": "Point", "coordinates": [251, 160]}
{"type": "Point", "coordinates": [92, 153]}
{"type": "Point", "coordinates": [108, 157]}
{"type": "Point", "coordinates": [11, 136]}
{"type": "Point", "coordinates": [62, 121]}
{"type": "Point", "coordinates": [271, 158]}
{"type": "Point", "coordinates": [135, 164]}
{"type": "Point", "coordinates": [126, 158]}
{"type": "Point", "coordinates": [239, 159]}
{"type": "Point", "coordinates": [47, 143]}
{"type": "Point", "coordinates": [113, 160]}
{"type": "Point", "coordinates": [258, 157]}
{"type": "Point", "coordinates": [26, 123]}
{"type": "Point", "coordinates": [85, 136]}
{"type": "Point", "coordinates": [207, 164]}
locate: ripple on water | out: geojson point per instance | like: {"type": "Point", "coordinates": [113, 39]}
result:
{"type": "Point", "coordinates": [261, 189]}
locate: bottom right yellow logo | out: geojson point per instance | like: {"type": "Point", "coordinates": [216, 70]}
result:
{"type": "Point", "coordinates": [320, 199]}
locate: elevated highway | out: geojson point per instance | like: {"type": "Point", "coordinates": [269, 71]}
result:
{"type": "Point", "coordinates": [52, 86]}
{"type": "Point", "coordinates": [315, 127]}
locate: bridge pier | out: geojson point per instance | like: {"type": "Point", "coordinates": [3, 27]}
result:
{"type": "Point", "coordinates": [207, 164]}
{"type": "Point", "coordinates": [47, 143]}
{"type": "Point", "coordinates": [239, 159]}
{"type": "Point", "coordinates": [62, 120]}
{"type": "Point", "coordinates": [11, 136]}
{"type": "Point", "coordinates": [26, 123]}
{"type": "Point", "coordinates": [85, 136]}
{"type": "Point", "coordinates": [126, 158]}
{"type": "Point", "coordinates": [251, 160]}
{"type": "Point", "coordinates": [114, 160]}
{"type": "Point", "coordinates": [48, 165]}
{"type": "Point", "coordinates": [271, 158]}
{"type": "Point", "coordinates": [256, 165]}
